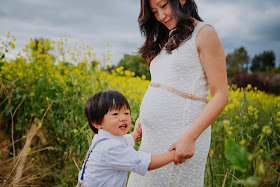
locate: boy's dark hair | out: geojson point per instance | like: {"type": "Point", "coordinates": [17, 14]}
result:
{"type": "Point", "coordinates": [101, 103]}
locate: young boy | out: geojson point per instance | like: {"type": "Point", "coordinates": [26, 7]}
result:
{"type": "Point", "coordinates": [111, 154]}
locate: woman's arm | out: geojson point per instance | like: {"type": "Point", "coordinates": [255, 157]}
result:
{"type": "Point", "coordinates": [213, 62]}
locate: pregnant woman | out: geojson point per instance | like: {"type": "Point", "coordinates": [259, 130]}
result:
{"type": "Point", "coordinates": [186, 58]}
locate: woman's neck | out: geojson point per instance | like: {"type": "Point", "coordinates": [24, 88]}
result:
{"type": "Point", "coordinates": [195, 22]}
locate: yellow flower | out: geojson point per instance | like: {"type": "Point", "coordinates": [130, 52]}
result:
{"type": "Point", "coordinates": [261, 151]}
{"type": "Point", "coordinates": [58, 139]}
{"type": "Point", "coordinates": [250, 157]}
{"type": "Point", "coordinates": [211, 152]}
{"type": "Point", "coordinates": [249, 86]}
{"type": "Point", "coordinates": [266, 130]}
{"type": "Point", "coordinates": [29, 149]}
{"type": "Point", "coordinates": [226, 123]}
{"type": "Point", "coordinates": [127, 73]}
{"type": "Point", "coordinates": [32, 159]}
{"type": "Point", "coordinates": [31, 94]}
{"type": "Point", "coordinates": [75, 130]}
{"type": "Point", "coordinates": [226, 108]}
{"type": "Point", "coordinates": [47, 98]}
{"type": "Point", "coordinates": [250, 108]}
{"type": "Point", "coordinates": [242, 142]}
{"type": "Point", "coordinates": [143, 77]}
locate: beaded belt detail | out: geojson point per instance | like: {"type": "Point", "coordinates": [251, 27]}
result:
{"type": "Point", "coordinates": [178, 92]}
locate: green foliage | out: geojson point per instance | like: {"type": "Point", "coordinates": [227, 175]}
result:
{"type": "Point", "coordinates": [244, 137]}
{"type": "Point", "coordinates": [236, 155]}
{"type": "Point", "coordinates": [136, 64]}
{"type": "Point", "coordinates": [250, 181]}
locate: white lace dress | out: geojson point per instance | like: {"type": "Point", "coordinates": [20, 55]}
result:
{"type": "Point", "coordinates": [165, 116]}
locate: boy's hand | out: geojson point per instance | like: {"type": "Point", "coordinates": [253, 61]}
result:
{"type": "Point", "coordinates": [137, 133]}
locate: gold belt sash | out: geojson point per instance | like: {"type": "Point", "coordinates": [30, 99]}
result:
{"type": "Point", "coordinates": [178, 92]}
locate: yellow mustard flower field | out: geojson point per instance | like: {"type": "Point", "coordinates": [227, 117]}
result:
{"type": "Point", "coordinates": [44, 134]}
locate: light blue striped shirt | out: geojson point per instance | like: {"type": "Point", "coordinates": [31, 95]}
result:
{"type": "Point", "coordinates": [111, 159]}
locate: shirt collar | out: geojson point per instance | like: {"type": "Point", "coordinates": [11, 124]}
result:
{"type": "Point", "coordinates": [105, 134]}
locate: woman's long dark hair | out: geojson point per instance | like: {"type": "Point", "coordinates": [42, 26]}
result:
{"type": "Point", "coordinates": [157, 35]}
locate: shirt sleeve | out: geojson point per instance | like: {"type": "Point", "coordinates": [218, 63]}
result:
{"type": "Point", "coordinates": [126, 158]}
{"type": "Point", "coordinates": [129, 140]}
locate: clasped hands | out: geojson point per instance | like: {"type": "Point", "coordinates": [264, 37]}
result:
{"type": "Point", "coordinates": [184, 147]}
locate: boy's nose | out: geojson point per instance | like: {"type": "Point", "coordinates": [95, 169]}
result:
{"type": "Point", "coordinates": [123, 118]}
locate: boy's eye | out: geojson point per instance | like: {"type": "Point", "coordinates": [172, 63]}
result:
{"type": "Point", "coordinates": [127, 113]}
{"type": "Point", "coordinates": [164, 5]}
{"type": "Point", "coordinates": [115, 114]}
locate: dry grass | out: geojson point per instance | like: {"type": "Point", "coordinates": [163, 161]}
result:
{"type": "Point", "coordinates": [19, 168]}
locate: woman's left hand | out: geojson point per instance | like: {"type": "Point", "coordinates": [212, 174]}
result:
{"type": "Point", "coordinates": [184, 147]}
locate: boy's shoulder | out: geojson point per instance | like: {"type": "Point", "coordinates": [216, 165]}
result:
{"type": "Point", "coordinates": [108, 143]}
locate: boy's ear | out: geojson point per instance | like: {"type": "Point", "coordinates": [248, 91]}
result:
{"type": "Point", "coordinates": [96, 125]}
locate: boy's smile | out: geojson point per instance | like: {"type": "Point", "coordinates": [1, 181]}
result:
{"type": "Point", "coordinates": [116, 122]}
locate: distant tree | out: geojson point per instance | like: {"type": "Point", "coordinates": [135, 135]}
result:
{"type": "Point", "coordinates": [268, 60]}
{"type": "Point", "coordinates": [263, 62]}
{"type": "Point", "coordinates": [237, 61]}
{"type": "Point", "coordinates": [256, 63]}
{"type": "Point", "coordinates": [136, 64]}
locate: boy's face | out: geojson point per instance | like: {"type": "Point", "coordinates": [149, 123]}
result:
{"type": "Point", "coordinates": [117, 122]}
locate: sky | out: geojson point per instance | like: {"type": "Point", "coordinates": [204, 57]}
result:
{"type": "Point", "coordinates": [253, 24]}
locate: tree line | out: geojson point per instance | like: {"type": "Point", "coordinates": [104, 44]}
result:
{"type": "Point", "coordinates": [237, 62]}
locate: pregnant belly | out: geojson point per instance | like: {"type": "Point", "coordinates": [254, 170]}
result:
{"type": "Point", "coordinates": [165, 116]}
{"type": "Point", "coordinates": [160, 105]}
{"type": "Point", "coordinates": [161, 116]}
